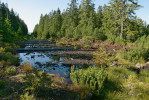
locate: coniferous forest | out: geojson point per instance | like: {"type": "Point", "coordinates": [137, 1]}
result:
{"type": "Point", "coordinates": [115, 22]}
{"type": "Point", "coordinates": [80, 53]}
{"type": "Point", "coordinates": [12, 28]}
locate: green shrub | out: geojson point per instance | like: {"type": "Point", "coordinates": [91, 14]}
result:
{"type": "Point", "coordinates": [114, 95]}
{"type": "Point", "coordinates": [3, 93]}
{"type": "Point", "coordinates": [101, 57]}
{"type": "Point", "coordinates": [92, 77]}
{"type": "Point", "coordinates": [36, 81]}
{"type": "Point", "coordinates": [2, 50]}
{"type": "Point", "coordinates": [61, 43]}
{"type": "Point", "coordinates": [10, 71]}
{"type": "Point", "coordinates": [76, 45]}
{"type": "Point", "coordinates": [143, 40]}
{"type": "Point", "coordinates": [2, 84]}
{"type": "Point", "coordinates": [144, 76]}
{"type": "Point", "coordinates": [88, 40]}
{"type": "Point", "coordinates": [119, 73]}
{"type": "Point", "coordinates": [135, 54]}
{"type": "Point", "coordinates": [86, 46]}
{"type": "Point", "coordinates": [119, 40]}
{"type": "Point", "coordinates": [144, 73]}
{"type": "Point", "coordinates": [26, 96]}
{"type": "Point", "coordinates": [9, 58]}
{"type": "Point", "coordinates": [140, 53]}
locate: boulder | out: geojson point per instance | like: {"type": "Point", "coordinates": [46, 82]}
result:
{"type": "Point", "coordinates": [139, 66]}
{"type": "Point", "coordinates": [147, 64]}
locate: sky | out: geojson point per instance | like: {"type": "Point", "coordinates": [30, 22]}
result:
{"type": "Point", "coordinates": [30, 10]}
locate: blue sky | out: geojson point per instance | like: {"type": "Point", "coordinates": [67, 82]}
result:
{"type": "Point", "coordinates": [30, 10]}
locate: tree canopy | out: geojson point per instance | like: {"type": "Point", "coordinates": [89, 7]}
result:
{"type": "Point", "coordinates": [116, 21]}
{"type": "Point", "coordinates": [12, 28]}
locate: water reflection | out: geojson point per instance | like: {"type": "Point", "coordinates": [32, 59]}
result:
{"type": "Point", "coordinates": [50, 64]}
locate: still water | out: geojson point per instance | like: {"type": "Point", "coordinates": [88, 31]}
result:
{"type": "Point", "coordinates": [44, 61]}
{"type": "Point", "coordinates": [49, 63]}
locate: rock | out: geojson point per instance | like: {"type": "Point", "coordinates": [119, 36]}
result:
{"type": "Point", "coordinates": [27, 53]}
{"type": "Point", "coordinates": [139, 66]}
{"type": "Point", "coordinates": [32, 56]}
{"type": "Point", "coordinates": [147, 64]}
{"type": "Point", "coordinates": [38, 63]}
{"type": "Point", "coordinates": [53, 68]}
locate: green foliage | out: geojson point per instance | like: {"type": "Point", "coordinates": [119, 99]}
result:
{"type": "Point", "coordinates": [3, 93]}
{"type": "Point", "coordinates": [36, 81]}
{"type": "Point", "coordinates": [143, 41]}
{"type": "Point", "coordinates": [76, 45]}
{"type": "Point", "coordinates": [12, 28]}
{"type": "Point", "coordinates": [8, 57]}
{"type": "Point", "coordinates": [26, 96]}
{"type": "Point", "coordinates": [2, 50]}
{"type": "Point", "coordinates": [135, 54]}
{"type": "Point", "coordinates": [2, 84]}
{"type": "Point", "coordinates": [119, 40]}
{"type": "Point", "coordinates": [10, 71]}
{"type": "Point", "coordinates": [87, 40]}
{"type": "Point", "coordinates": [101, 57]}
{"type": "Point", "coordinates": [113, 22]}
{"type": "Point", "coordinates": [86, 46]}
{"type": "Point", "coordinates": [144, 76]}
{"type": "Point", "coordinates": [62, 42]}
{"type": "Point", "coordinates": [123, 83]}
{"type": "Point", "coordinates": [92, 77]}
{"type": "Point", "coordinates": [139, 53]}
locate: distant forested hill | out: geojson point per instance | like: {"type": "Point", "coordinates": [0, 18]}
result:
{"type": "Point", "coordinates": [12, 28]}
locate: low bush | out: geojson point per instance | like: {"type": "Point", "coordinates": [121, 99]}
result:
{"type": "Point", "coordinates": [88, 40]}
{"type": "Point", "coordinates": [26, 96]}
{"type": "Point", "coordinates": [101, 57]}
{"type": "Point", "coordinates": [2, 84]}
{"type": "Point", "coordinates": [61, 43]}
{"type": "Point", "coordinates": [121, 41]}
{"type": "Point", "coordinates": [135, 54]}
{"type": "Point", "coordinates": [86, 46]}
{"type": "Point", "coordinates": [8, 57]}
{"type": "Point", "coordinates": [143, 40]}
{"type": "Point", "coordinates": [144, 76]}
{"type": "Point", "coordinates": [10, 71]}
{"type": "Point", "coordinates": [36, 82]}
{"type": "Point", "coordinates": [139, 53]}
{"type": "Point", "coordinates": [93, 77]}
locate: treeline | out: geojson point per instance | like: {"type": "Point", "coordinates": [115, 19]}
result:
{"type": "Point", "coordinates": [116, 21]}
{"type": "Point", "coordinates": [12, 28]}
